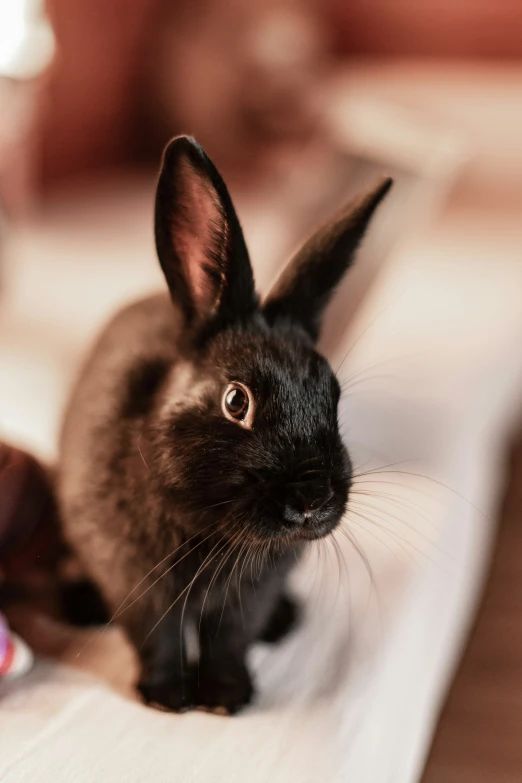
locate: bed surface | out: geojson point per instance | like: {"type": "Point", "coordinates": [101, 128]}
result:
{"type": "Point", "coordinates": [433, 376]}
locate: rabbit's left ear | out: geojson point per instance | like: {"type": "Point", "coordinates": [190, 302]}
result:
{"type": "Point", "coordinates": [199, 240]}
{"type": "Point", "coordinates": [307, 282]}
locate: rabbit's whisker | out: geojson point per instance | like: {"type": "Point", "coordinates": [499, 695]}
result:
{"type": "Point", "coordinates": [206, 562]}
{"type": "Point", "coordinates": [122, 608]}
{"type": "Point", "coordinates": [216, 573]}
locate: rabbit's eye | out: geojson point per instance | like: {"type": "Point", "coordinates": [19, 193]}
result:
{"type": "Point", "coordinates": [238, 404]}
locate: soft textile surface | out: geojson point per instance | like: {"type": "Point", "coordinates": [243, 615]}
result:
{"type": "Point", "coordinates": [432, 374]}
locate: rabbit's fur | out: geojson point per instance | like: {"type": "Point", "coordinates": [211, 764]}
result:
{"type": "Point", "coordinates": [184, 513]}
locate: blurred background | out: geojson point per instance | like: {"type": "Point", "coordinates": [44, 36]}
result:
{"type": "Point", "coordinates": [300, 103]}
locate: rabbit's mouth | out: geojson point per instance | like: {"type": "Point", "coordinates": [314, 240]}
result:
{"type": "Point", "coordinates": [318, 529]}
{"type": "Point", "coordinates": [299, 516]}
{"type": "Point", "coordinates": [293, 505]}
{"type": "Point", "coordinates": [315, 526]}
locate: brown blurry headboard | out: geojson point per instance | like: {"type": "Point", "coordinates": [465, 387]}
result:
{"type": "Point", "coordinates": [88, 117]}
{"type": "Point", "coordinates": [91, 117]}
{"type": "Point", "coordinates": [463, 29]}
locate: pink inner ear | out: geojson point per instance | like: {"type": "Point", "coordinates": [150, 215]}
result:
{"type": "Point", "coordinates": [195, 229]}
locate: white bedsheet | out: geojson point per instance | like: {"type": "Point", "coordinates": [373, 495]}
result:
{"type": "Point", "coordinates": [435, 371]}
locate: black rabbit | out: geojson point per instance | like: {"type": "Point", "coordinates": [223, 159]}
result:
{"type": "Point", "coordinates": [201, 448]}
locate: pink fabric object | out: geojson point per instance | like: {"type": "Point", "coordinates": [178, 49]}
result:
{"type": "Point", "coordinates": [16, 658]}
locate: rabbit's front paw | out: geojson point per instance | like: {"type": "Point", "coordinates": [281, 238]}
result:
{"type": "Point", "coordinates": [224, 691]}
{"type": "Point", "coordinates": [173, 695]}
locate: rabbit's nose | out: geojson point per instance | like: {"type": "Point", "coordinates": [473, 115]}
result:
{"type": "Point", "coordinates": [307, 503]}
{"type": "Point", "coordinates": [304, 503]}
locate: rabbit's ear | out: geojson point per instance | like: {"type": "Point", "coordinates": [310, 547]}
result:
{"type": "Point", "coordinates": [199, 240]}
{"type": "Point", "coordinates": [306, 283]}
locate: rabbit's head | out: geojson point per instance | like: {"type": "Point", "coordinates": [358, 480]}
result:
{"type": "Point", "coordinates": [246, 429]}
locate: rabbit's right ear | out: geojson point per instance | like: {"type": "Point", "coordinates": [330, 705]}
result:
{"type": "Point", "coordinates": [306, 284]}
{"type": "Point", "coordinates": [199, 240]}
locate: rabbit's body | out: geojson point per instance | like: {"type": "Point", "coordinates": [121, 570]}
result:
{"type": "Point", "coordinates": [201, 446]}
{"type": "Point", "coordinates": [108, 490]}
